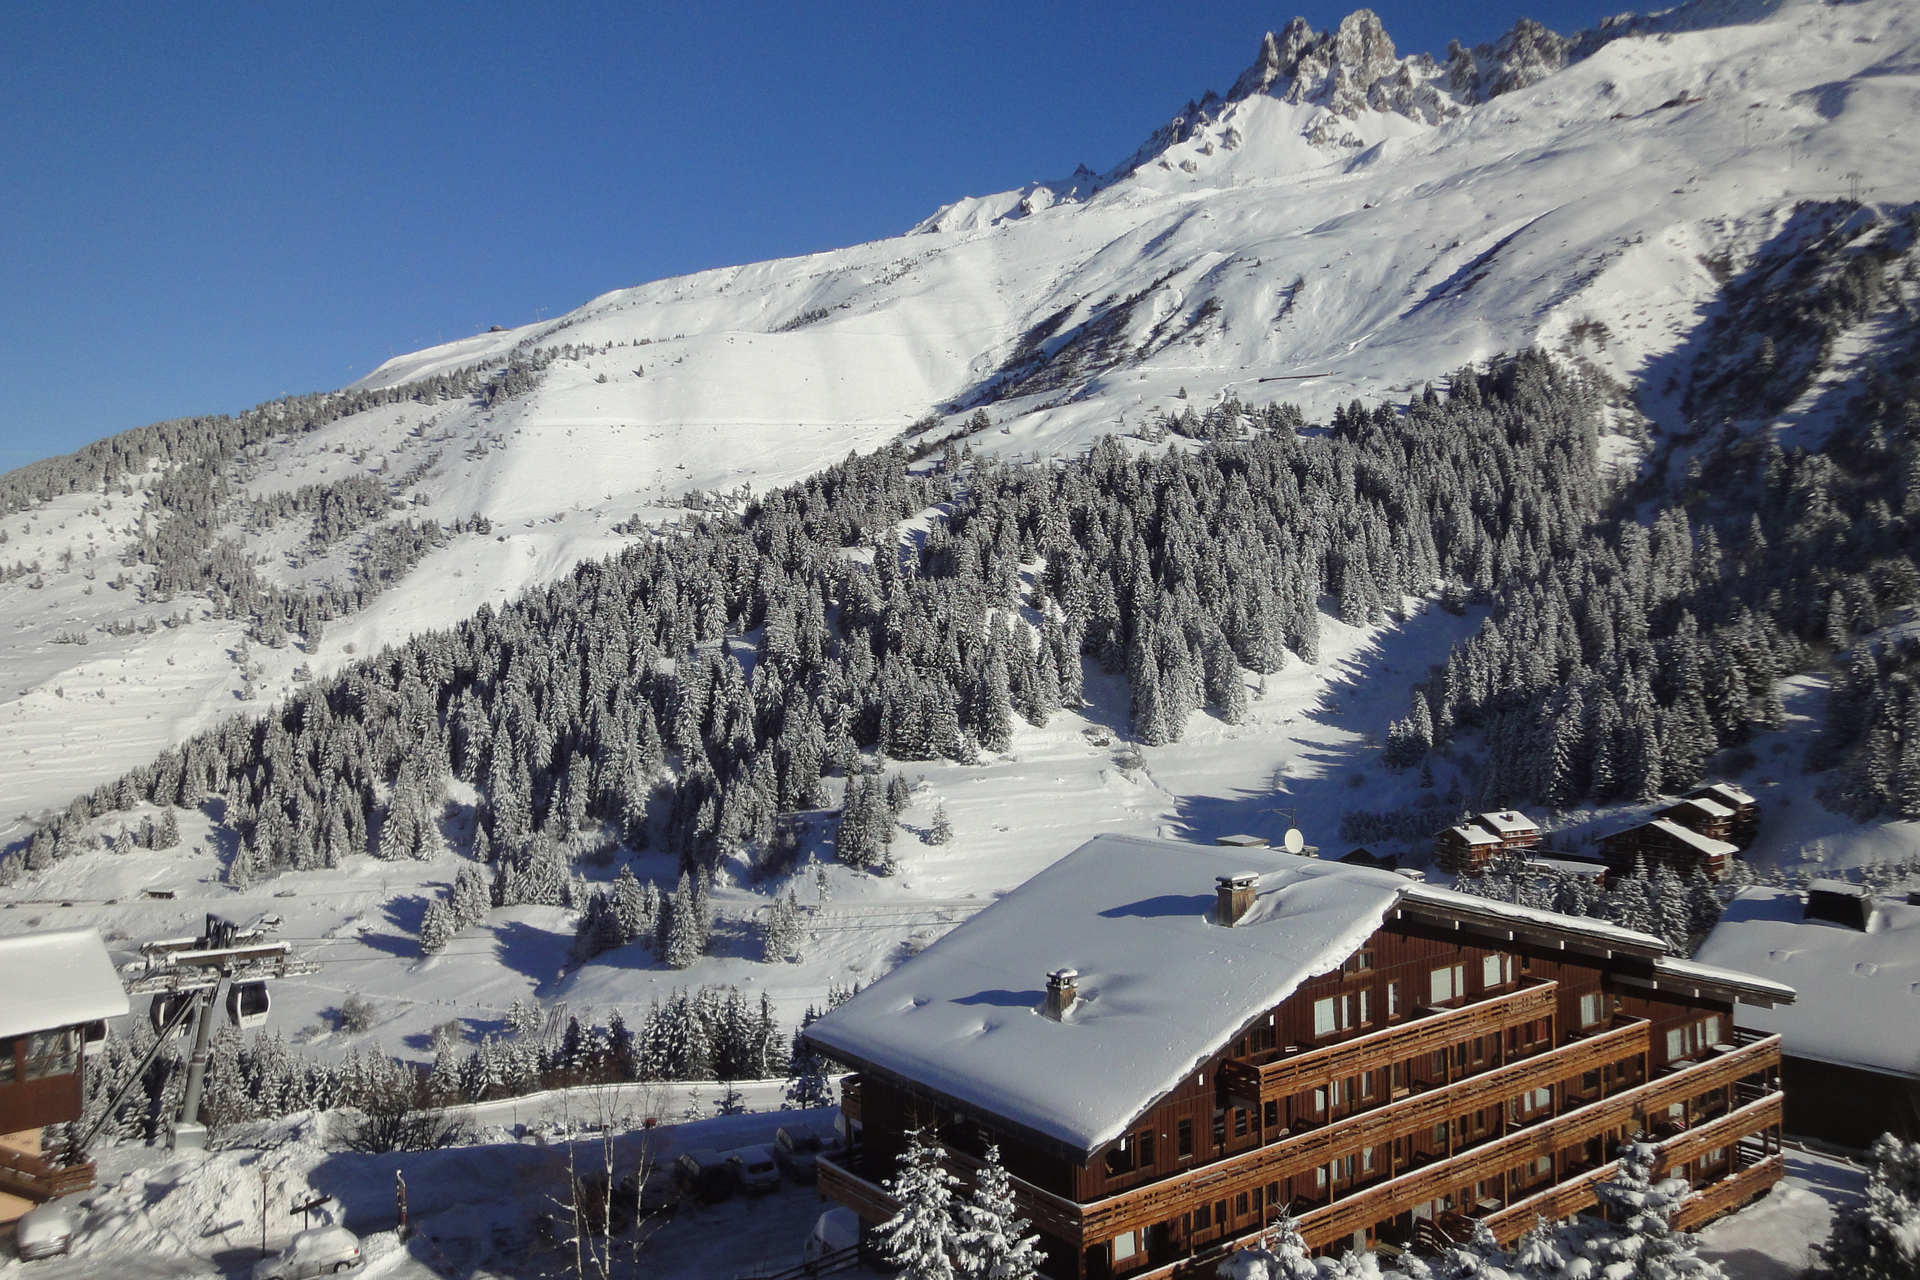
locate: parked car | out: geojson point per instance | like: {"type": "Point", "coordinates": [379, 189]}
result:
{"type": "Point", "coordinates": [706, 1174]}
{"type": "Point", "coordinates": [44, 1231]}
{"type": "Point", "coordinates": [322, 1251]}
{"type": "Point", "coordinates": [798, 1145]}
{"type": "Point", "coordinates": [756, 1169]}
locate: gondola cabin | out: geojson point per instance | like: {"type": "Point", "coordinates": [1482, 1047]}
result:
{"type": "Point", "coordinates": [248, 1004]}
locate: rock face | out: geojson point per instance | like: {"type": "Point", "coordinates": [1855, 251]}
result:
{"type": "Point", "coordinates": [1355, 68]}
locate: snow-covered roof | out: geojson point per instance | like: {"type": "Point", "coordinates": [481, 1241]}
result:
{"type": "Point", "coordinates": [1508, 822]}
{"type": "Point", "coordinates": [1160, 987]}
{"type": "Point", "coordinates": [1705, 844]}
{"type": "Point", "coordinates": [1455, 905]}
{"type": "Point", "coordinates": [1726, 793]}
{"type": "Point", "coordinates": [1674, 969]}
{"type": "Point", "coordinates": [1704, 804]}
{"type": "Point", "coordinates": [1859, 991]}
{"type": "Point", "coordinates": [1473, 833]}
{"type": "Point", "coordinates": [58, 979]}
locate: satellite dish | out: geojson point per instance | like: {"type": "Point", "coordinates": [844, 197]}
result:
{"type": "Point", "coordinates": [1293, 841]}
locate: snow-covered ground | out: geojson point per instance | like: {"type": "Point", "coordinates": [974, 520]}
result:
{"type": "Point", "coordinates": [156, 1216]}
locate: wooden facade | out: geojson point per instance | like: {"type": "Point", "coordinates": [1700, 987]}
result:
{"type": "Point", "coordinates": [1746, 810]}
{"type": "Point", "coordinates": [1469, 847]}
{"type": "Point", "coordinates": [1441, 1074]}
{"type": "Point", "coordinates": [1669, 843]}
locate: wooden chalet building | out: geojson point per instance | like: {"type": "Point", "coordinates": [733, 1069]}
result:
{"type": "Point", "coordinates": [61, 988]}
{"type": "Point", "coordinates": [1746, 810]}
{"type": "Point", "coordinates": [1469, 847]}
{"type": "Point", "coordinates": [1850, 1050]}
{"type": "Point", "coordinates": [1665, 841]}
{"type": "Point", "coordinates": [1168, 1042]}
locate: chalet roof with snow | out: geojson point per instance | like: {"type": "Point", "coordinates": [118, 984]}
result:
{"type": "Point", "coordinates": [1473, 833]}
{"type": "Point", "coordinates": [1693, 839]}
{"type": "Point", "coordinates": [1508, 822]}
{"type": "Point", "coordinates": [1160, 985]}
{"type": "Point", "coordinates": [1726, 793]}
{"type": "Point", "coordinates": [1859, 989]}
{"type": "Point", "coordinates": [1703, 805]}
{"type": "Point", "coordinates": [58, 979]}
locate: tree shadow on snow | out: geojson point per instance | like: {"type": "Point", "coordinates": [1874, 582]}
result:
{"type": "Point", "coordinates": [1363, 692]}
{"type": "Point", "coordinates": [539, 954]}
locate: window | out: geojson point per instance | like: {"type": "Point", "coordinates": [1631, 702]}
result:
{"type": "Point", "coordinates": [1319, 1101]}
{"type": "Point", "coordinates": [1125, 1245]}
{"type": "Point", "coordinates": [1366, 1006]}
{"type": "Point", "coordinates": [1710, 1031]}
{"type": "Point", "coordinates": [1202, 1218]}
{"type": "Point", "coordinates": [1331, 1014]}
{"type": "Point", "coordinates": [1393, 999]}
{"type": "Point", "coordinates": [1240, 1207]}
{"type": "Point", "coordinates": [1592, 1006]}
{"type": "Point", "coordinates": [6, 1060]}
{"type": "Point", "coordinates": [1676, 1043]}
{"type": "Point", "coordinates": [1270, 1115]}
{"type": "Point", "coordinates": [1366, 1085]}
{"type": "Point", "coordinates": [1183, 1139]}
{"type": "Point", "coordinates": [1448, 983]}
{"type": "Point", "coordinates": [1143, 1149]}
{"type": "Point", "coordinates": [1496, 971]}
{"type": "Point", "coordinates": [1320, 1178]}
{"type": "Point", "coordinates": [1366, 1159]}
{"type": "Point", "coordinates": [52, 1053]}
{"type": "Point", "coordinates": [1239, 1122]}
{"type": "Point", "coordinates": [1120, 1158]}
{"type": "Point", "coordinates": [1358, 962]}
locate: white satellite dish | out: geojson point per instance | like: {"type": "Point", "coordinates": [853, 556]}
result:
{"type": "Point", "coordinates": [1293, 841]}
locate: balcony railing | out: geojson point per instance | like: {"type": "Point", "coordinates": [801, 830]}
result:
{"type": "Point", "coordinates": [39, 1179]}
{"type": "Point", "coordinates": [1596, 1119]}
{"type": "Point", "coordinates": [1156, 1201]}
{"type": "Point", "coordinates": [1295, 1072]}
{"type": "Point", "coordinates": [1100, 1220]}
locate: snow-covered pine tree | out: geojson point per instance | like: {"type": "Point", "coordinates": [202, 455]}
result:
{"type": "Point", "coordinates": [940, 830]}
{"type": "Point", "coordinates": [437, 926]}
{"type": "Point", "coordinates": [680, 927]}
{"type": "Point", "coordinates": [919, 1239]}
{"type": "Point", "coordinates": [1878, 1238]}
{"type": "Point", "coordinates": [807, 1084]}
{"type": "Point", "coordinates": [782, 944]}
{"type": "Point", "coordinates": [470, 901]}
{"type": "Point", "coordinates": [1639, 1242]}
{"type": "Point", "coordinates": [994, 1242]}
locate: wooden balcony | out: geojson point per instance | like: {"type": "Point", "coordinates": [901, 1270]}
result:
{"type": "Point", "coordinates": [1629, 1108]}
{"type": "Point", "coordinates": [37, 1179]}
{"type": "Point", "coordinates": [843, 1186]}
{"type": "Point", "coordinates": [1607, 1117]}
{"type": "Point", "coordinates": [1157, 1201]}
{"type": "Point", "coordinates": [1731, 1192]}
{"type": "Point", "coordinates": [1711, 1135]}
{"type": "Point", "coordinates": [1259, 1082]}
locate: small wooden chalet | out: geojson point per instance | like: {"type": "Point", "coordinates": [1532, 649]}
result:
{"type": "Point", "coordinates": [1169, 1042]}
{"type": "Point", "coordinates": [1746, 810]}
{"type": "Point", "coordinates": [61, 988]}
{"type": "Point", "coordinates": [1850, 1049]}
{"type": "Point", "coordinates": [1702, 815]}
{"type": "Point", "coordinates": [1469, 847]}
{"type": "Point", "coordinates": [1665, 841]}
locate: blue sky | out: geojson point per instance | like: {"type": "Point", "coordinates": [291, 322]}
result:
{"type": "Point", "coordinates": [209, 205]}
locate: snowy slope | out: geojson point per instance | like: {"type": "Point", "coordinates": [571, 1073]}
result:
{"type": "Point", "coordinates": [1336, 230]}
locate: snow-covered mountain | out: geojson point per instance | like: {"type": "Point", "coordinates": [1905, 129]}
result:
{"type": "Point", "coordinates": [1345, 223]}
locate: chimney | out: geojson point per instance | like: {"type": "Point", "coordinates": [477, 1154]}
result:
{"type": "Point", "coordinates": [1232, 896]}
{"type": "Point", "coordinates": [1062, 986]}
